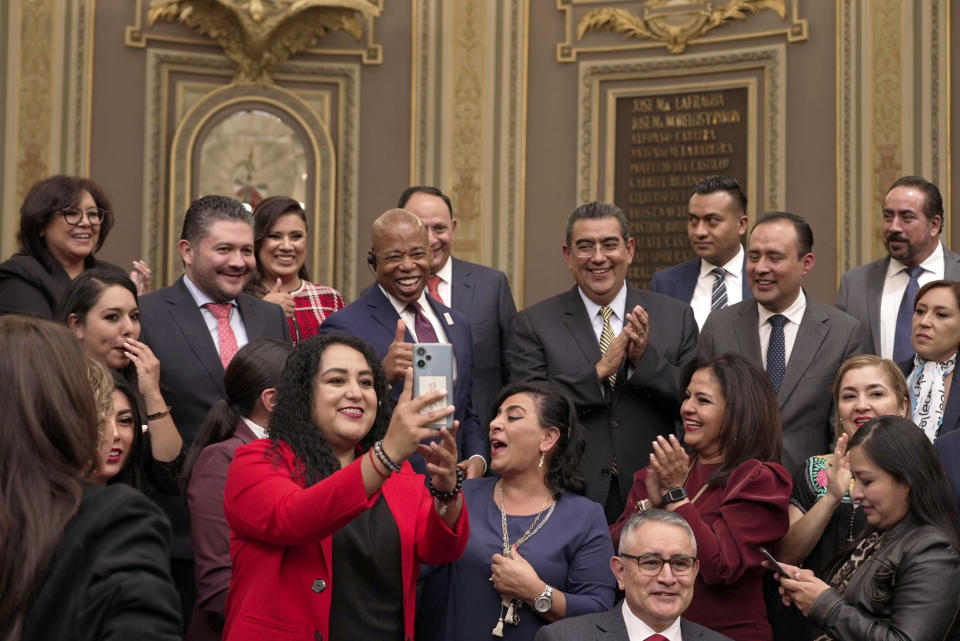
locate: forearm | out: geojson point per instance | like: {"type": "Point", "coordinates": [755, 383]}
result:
{"type": "Point", "coordinates": [805, 533]}
{"type": "Point", "coordinates": [451, 514]}
{"type": "Point", "coordinates": [165, 439]}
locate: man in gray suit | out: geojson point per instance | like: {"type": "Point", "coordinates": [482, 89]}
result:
{"type": "Point", "coordinates": [656, 567]}
{"type": "Point", "coordinates": [616, 351]}
{"type": "Point", "coordinates": [800, 342]}
{"type": "Point", "coordinates": [880, 294]}
{"type": "Point", "coordinates": [480, 293]}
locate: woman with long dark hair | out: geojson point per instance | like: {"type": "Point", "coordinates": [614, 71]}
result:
{"type": "Point", "coordinates": [250, 382]}
{"type": "Point", "coordinates": [77, 560]}
{"type": "Point", "coordinates": [327, 513]}
{"type": "Point", "coordinates": [901, 578]}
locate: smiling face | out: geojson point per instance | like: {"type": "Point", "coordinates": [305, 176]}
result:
{"type": "Point", "coordinates": [774, 268]}
{"type": "Point", "coordinates": [344, 399]}
{"type": "Point", "coordinates": [866, 393]}
{"type": "Point", "coordinates": [702, 413]}
{"type": "Point", "coordinates": [440, 225]}
{"type": "Point", "coordinates": [715, 225]}
{"type": "Point", "coordinates": [113, 318]}
{"type": "Point", "coordinates": [656, 600]}
{"type": "Point", "coordinates": [71, 244]}
{"type": "Point", "coordinates": [598, 257]}
{"type": "Point", "coordinates": [936, 325]}
{"type": "Point", "coordinates": [115, 455]}
{"type": "Point", "coordinates": [516, 437]}
{"type": "Point", "coordinates": [883, 499]}
{"type": "Point", "coordinates": [221, 262]}
{"type": "Point", "coordinates": [403, 259]}
{"type": "Point", "coordinates": [908, 234]}
{"type": "Point", "coordinates": [284, 249]}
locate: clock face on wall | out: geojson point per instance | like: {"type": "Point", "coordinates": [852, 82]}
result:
{"type": "Point", "coordinates": [251, 155]}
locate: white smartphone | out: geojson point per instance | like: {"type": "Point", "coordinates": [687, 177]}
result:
{"type": "Point", "coordinates": [433, 371]}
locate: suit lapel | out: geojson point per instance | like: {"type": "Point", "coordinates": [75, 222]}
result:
{"type": "Point", "coordinates": [744, 283]}
{"type": "Point", "coordinates": [951, 413]}
{"type": "Point", "coordinates": [611, 627]}
{"type": "Point", "coordinates": [688, 632]}
{"type": "Point", "coordinates": [188, 319]}
{"type": "Point", "coordinates": [456, 332]}
{"type": "Point", "coordinates": [383, 312]}
{"type": "Point", "coordinates": [878, 273]}
{"type": "Point", "coordinates": [811, 334]}
{"type": "Point", "coordinates": [253, 321]}
{"type": "Point", "coordinates": [951, 265]}
{"type": "Point", "coordinates": [689, 281]}
{"type": "Point", "coordinates": [745, 328]}
{"type": "Point", "coordinates": [578, 324]}
{"type": "Point", "coordinates": [462, 287]}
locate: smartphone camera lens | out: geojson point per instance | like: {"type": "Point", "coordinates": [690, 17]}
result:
{"type": "Point", "coordinates": [421, 351]}
{"type": "Point", "coordinates": [429, 357]}
{"type": "Point", "coordinates": [421, 363]}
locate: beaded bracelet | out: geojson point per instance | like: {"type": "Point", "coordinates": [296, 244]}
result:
{"type": "Point", "coordinates": [440, 495]}
{"type": "Point", "coordinates": [374, 463]}
{"type": "Point", "coordinates": [384, 458]}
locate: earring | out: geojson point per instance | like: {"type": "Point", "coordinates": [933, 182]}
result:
{"type": "Point", "coordinates": [541, 460]}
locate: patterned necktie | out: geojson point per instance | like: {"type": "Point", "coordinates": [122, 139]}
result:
{"type": "Point", "coordinates": [606, 337]}
{"type": "Point", "coordinates": [776, 351]}
{"type": "Point", "coordinates": [433, 289]}
{"type": "Point", "coordinates": [421, 324]}
{"type": "Point", "coordinates": [718, 298]}
{"type": "Point", "coordinates": [227, 339]}
{"type": "Point", "coordinates": [902, 343]}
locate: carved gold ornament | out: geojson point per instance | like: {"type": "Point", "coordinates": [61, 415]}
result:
{"type": "Point", "coordinates": [258, 34]}
{"type": "Point", "coordinates": [674, 22]}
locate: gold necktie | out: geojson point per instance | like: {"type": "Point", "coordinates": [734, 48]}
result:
{"type": "Point", "coordinates": [606, 337]}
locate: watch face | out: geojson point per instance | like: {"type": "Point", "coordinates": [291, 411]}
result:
{"type": "Point", "coordinates": [542, 604]}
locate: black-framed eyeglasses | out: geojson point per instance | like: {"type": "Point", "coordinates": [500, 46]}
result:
{"type": "Point", "coordinates": [651, 564]}
{"type": "Point", "coordinates": [73, 216]}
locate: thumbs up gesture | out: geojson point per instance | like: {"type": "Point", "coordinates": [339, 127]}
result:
{"type": "Point", "coordinates": [283, 299]}
{"type": "Point", "coordinates": [399, 355]}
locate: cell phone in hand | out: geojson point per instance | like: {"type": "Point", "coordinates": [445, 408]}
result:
{"type": "Point", "coordinates": [433, 371]}
{"type": "Point", "coordinates": [779, 568]}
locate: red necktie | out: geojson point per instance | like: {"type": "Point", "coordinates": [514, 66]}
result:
{"type": "Point", "coordinates": [228, 341]}
{"type": "Point", "coordinates": [656, 637]}
{"type": "Point", "coordinates": [421, 324]}
{"type": "Point", "coordinates": [433, 288]}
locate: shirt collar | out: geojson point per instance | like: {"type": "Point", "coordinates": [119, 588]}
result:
{"type": "Point", "coordinates": [199, 296]}
{"type": "Point", "coordinates": [734, 266]}
{"type": "Point", "coordinates": [258, 431]}
{"type": "Point", "coordinates": [638, 629]}
{"type": "Point", "coordinates": [618, 304]}
{"type": "Point", "coordinates": [931, 264]}
{"type": "Point", "coordinates": [794, 313]}
{"type": "Point", "coordinates": [401, 306]}
{"type": "Point", "coordinates": [446, 272]}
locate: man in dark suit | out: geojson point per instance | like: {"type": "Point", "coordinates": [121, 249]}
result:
{"type": "Point", "coordinates": [194, 327]}
{"type": "Point", "coordinates": [478, 292]}
{"type": "Point", "coordinates": [716, 223]}
{"type": "Point", "coordinates": [616, 351]}
{"type": "Point", "coordinates": [880, 294]}
{"type": "Point", "coordinates": [656, 567]}
{"type": "Point", "coordinates": [800, 342]}
{"type": "Point", "coordinates": [396, 312]}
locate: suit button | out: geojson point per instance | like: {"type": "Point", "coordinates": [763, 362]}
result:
{"type": "Point", "coordinates": [317, 636]}
{"type": "Point", "coordinates": [319, 586]}
{"type": "Point", "coordinates": [614, 424]}
{"type": "Point", "coordinates": [604, 473]}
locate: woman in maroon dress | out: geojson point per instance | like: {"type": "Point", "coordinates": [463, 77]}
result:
{"type": "Point", "coordinates": [726, 482]}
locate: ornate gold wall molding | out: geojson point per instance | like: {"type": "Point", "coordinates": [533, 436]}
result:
{"type": "Point", "coordinates": [741, 66]}
{"type": "Point", "coordinates": [672, 24]}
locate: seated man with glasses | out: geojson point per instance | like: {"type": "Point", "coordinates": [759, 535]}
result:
{"type": "Point", "coordinates": [657, 577]}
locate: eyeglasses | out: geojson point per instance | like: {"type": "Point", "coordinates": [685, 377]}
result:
{"type": "Point", "coordinates": [73, 216]}
{"type": "Point", "coordinates": [651, 564]}
{"type": "Point", "coordinates": [587, 249]}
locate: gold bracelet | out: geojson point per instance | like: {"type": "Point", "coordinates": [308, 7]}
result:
{"type": "Point", "coordinates": [158, 415]}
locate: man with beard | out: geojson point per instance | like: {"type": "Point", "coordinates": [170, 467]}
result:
{"type": "Point", "coordinates": [194, 327]}
{"type": "Point", "coordinates": [880, 294]}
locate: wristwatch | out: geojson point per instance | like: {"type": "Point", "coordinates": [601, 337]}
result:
{"type": "Point", "coordinates": [544, 602]}
{"type": "Point", "coordinates": [673, 495]}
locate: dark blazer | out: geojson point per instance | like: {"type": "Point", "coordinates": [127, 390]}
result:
{"type": "Point", "coordinates": [483, 295]}
{"type": "Point", "coordinates": [906, 590]}
{"type": "Point", "coordinates": [680, 280]}
{"type": "Point", "coordinates": [609, 626]}
{"type": "Point", "coordinates": [554, 342]}
{"type": "Point", "coordinates": [191, 374]}
{"type": "Point", "coordinates": [948, 449]}
{"type": "Point", "coordinates": [373, 318]}
{"type": "Point", "coordinates": [951, 413]}
{"type": "Point", "coordinates": [825, 339]}
{"type": "Point", "coordinates": [861, 290]}
{"type": "Point", "coordinates": [210, 535]}
{"type": "Point", "coordinates": [33, 286]}
{"type": "Point", "coordinates": [109, 577]}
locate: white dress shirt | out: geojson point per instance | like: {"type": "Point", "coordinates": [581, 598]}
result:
{"type": "Point", "coordinates": [445, 286]}
{"type": "Point", "coordinates": [794, 315]}
{"type": "Point", "coordinates": [703, 292]}
{"type": "Point", "coordinates": [618, 305]}
{"type": "Point", "coordinates": [259, 432]}
{"type": "Point", "coordinates": [894, 285]}
{"type": "Point", "coordinates": [637, 630]}
{"type": "Point", "coordinates": [410, 319]}
{"type": "Point", "coordinates": [236, 323]}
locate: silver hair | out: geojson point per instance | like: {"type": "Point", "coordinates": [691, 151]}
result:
{"type": "Point", "coordinates": [660, 516]}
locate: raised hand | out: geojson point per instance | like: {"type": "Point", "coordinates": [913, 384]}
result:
{"type": "Point", "coordinates": [141, 276]}
{"type": "Point", "coordinates": [441, 458]}
{"type": "Point", "coordinates": [670, 462]}
{"type": "Point", "coordinates": [283, 299]}
{"type": "Point", "coordinates": [637, 329]}
{"type": "Point", "coordinates": [399, 355]}
{"type": "Point", "coordinates": [408, 426]}
{"type": "Point", "coordinates": [838, 471]}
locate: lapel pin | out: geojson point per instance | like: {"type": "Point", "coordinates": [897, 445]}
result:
{"type": "Point", "coordinates": [446, 316]}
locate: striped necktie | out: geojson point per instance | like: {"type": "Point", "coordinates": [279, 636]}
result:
{"type": "Point", "coordinates": [606, 337]}
{"type": "Point", "coordinates": [718, 298]}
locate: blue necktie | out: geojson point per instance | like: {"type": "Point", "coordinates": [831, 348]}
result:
{"type": "Point", "coordinates": [718, 297]}
{"type": "Point", "coordinates": [902, 343]}
{"type": "Point", "coordinates": [776, 351]}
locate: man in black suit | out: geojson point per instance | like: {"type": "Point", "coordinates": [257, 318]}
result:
{"type": "Point", "coordinates": [616, 351]}
{"type": "Point", "coordinates": [656, 567]}
{"type": "Point", "coordinates": [480, 293]}
{"type": "Point", "coordinates": [181, 326]}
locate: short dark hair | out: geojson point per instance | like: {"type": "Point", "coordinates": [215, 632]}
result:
{"type": "Point", "coordinates": [555, 409]}
{"type": "Point", "coordinates": [206, 210]}
{"type": "Point", "coordinates": [751, 421]}
{"type": "Point", "coordinates": [594, 211]}
{"type": "Point", "coordinates": [424, 189]}
{"type": "Point", "coordinates": [265, 215]}
{"type": "Point", "coordinates": [47, 198]}
{"type": "Point", "coordinates": [902, 450]}
{"type": "Point", "coordinates": [952, 285]}
{"type": "Point", "coordinates": [804, 233]}
{"type": "Point", "coordinates": [932, 201]}
{"type": "Point", "coordinates": [713, 184]}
